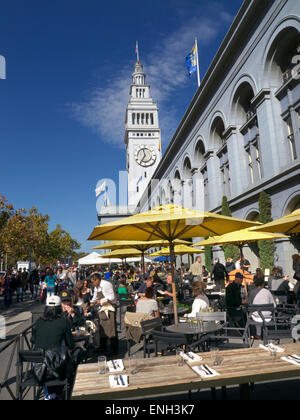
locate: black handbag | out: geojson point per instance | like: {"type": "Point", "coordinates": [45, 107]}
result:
{"type": "Point", "coordinates": [54, 366]}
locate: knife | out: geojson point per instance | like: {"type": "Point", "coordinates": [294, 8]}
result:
{"type": "Point", "coordinates": [122, 381]}
{"type": "Point", "coordinates": [289, 356]}
{"type": "Point", "coordinates": [113, 363]}
{"type": "Point", "coordinates": [207, 368]}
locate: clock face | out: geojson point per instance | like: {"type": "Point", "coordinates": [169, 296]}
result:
{"type": "Point", "coordinates": [145, 156]}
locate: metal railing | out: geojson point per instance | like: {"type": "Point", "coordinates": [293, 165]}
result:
{"type": "Point", "coordinates": [11, 377]}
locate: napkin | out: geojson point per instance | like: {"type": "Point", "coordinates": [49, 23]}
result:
{"type": "Point", "coordinates": [200, 370]}
{"type": "Point", "coordinates": [278, 349]}
{"type": "Point", "coordinates": [290, 360]}
{"type": "Point", "coordinates": [114, 383]}
{"type": "Point", "coordinates": [119, 366]}
{"type": "Point", "coordinates": [190, 356]}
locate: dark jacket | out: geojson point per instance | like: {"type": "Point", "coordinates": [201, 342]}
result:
{"type": "Point", "coordinates": [49, 335]}
{"type": "Point", "coordinates": [219, 272]}
{"type": "Point", "coordinates": [233, 295]}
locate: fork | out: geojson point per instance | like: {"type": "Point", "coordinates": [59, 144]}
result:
{"type": "Point", "coordinates": [116, 378]}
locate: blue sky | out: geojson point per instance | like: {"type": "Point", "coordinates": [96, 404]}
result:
{"type": "Point", "coordinates": [62, 105]}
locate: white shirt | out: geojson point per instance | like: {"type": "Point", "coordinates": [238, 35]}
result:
{"type": "Point", "coordinates": [264, 297]}
{"type": "Point", "coordinates": [198, 306]}
{"type": "Point", "coordinates": [107, 290]}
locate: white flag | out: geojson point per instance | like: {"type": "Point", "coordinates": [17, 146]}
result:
{"type": "Point", "coordinates": [101, 189]}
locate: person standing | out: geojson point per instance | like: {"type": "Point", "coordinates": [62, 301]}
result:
{"type": "Point", "coordinates": [196, 269]}
{"type": "Point", "coordinates": [72, 276]}
{"type": "Point", "coordinates": [219, 275]}
{"type": "Point", "coordinates": [234, 300]}
{"type": "Point", "coordinates": [104, 297]}
{"type": "Point", "coordinates": [19, 286]}
{"type": "Point", "coordinates": [51, 282]}
{"type": "Point", "coordinates": [8, 288]}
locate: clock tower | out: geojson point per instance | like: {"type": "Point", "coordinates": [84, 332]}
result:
{"type": "Point", "coordinates": [142, 136]}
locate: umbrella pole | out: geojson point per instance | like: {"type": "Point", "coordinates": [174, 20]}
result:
{"type": "Point", "coordinates": [181, 275]}
{"type": "Point", "coordinates": [244, 279]}
{"type": "Point", "coordinates": [173, 283]}
{"type": "Point", "coordinates": [143, 263]}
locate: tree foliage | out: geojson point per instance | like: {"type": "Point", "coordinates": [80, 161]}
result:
{"type": "Point", "coordinates": [24, 236]}
{"type": "Point", "coordinates": [266, 248]}
{"type": "Point", "coordinates": [230, 251]}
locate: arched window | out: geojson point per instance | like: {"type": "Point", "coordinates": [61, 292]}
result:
{"type": "Point", "coordinates": [219, 142]}
{"type": "Point", "coordinates": [247, 119]}
{"type": "Point", "coordinates": [280, 69]}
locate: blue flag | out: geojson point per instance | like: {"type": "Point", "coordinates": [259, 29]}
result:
{"type": "Point", "coordinates": [191, 61]}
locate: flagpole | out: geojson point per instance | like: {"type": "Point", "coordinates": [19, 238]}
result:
{"type": "Point", "coordinates": [198, 70]}
{"type": "Point", "coordinates": [137, 51]}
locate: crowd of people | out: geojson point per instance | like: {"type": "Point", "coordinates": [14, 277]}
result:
{"type": "Point", "coordinates": [86, 299]}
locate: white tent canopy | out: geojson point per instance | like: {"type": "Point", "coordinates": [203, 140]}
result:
{"type": "Point", "coordinates": [94, 259]}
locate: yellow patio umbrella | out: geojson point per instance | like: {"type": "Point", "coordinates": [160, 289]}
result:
{"type": "Point", "coordinates": [178, 250]}
{"type": "Point", "coordinates": [122, 253]}
{"type": "Point", "coordinates": [139, 245]}
{"type": "Point", "coordinates": [288, 224]}
{"type": "Point", "coordinates": [169, 222]}
{"type": "Point", "coordinates": [240, 238]}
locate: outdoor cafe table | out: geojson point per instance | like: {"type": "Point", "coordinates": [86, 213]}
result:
{"type": "Point", "coordinates": [185, 328]}
{"type": "Point", "coordinates": [161, 375]}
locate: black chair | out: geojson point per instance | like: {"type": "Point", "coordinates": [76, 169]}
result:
{"type": "Point", "coordinates": [265, 325]}
{"type": "Point", "coordinates": [126, 300]}
{"type": "Point", "coordinates": [170, 341]}
{"type": "Point", "coordinates": [147, 328]}
{"type": "Point", "coordinates": [28, 380]}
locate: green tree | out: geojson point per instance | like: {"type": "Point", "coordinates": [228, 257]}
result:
{"type": "Point", "coordinates": [208, 257]}
{"type": "Point", "coordinates": [230, 251]}
{"type": "Point", "coordinates": [266, 248]}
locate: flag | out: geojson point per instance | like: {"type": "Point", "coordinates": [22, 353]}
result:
{"type": "Point", "coordinates": [191, 60]}
{"type": "Point", "coordinates": [139, 180]}
{"type": "Point", "coordinates": [101, 189]}
{"type": "Point", "coordinates": [137, 51]}
{"type": "Point", "coordinates": [159, 144]}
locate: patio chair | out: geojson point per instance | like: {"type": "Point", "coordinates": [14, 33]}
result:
{"type": "Point", "coordinates": [265, 325]}
{"type": "Point", "coordinates": [147, 328]}
{"type": "Point", "coordinates": [224, 338]}
{"type": "Point", "coordinates": [170, 341]}
{"type": "Point", "coordinates": [27, 379]}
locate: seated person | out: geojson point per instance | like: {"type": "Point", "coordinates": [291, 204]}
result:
{"type": "Point", "coordinates": [122, 290]}
{"type": "Point", "coordinates": [201, 301]}
{"type": "Point", "coordinates": [148, 305]}
{"type": "Point", "coordinates": [277, 282]}
{"type": "Point", "coordinates": [234, 300]}
{"type": "Point", "coordinates": [205, 274]}
{"type": "Point", "coordinates": [53, 332]}
{"type": "Point", "coordinates": [144, 286]}
{"type": "Point", "coordinates": [70, 310]}
{"type": "Point", "coordinates": [168, 292]}
{"type": "Point", "coordinates": [260, 296]}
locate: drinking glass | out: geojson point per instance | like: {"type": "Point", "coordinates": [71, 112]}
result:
{"type": "Point", "coordinates": [102, 365]}
{"type": "Point", "coordinates": [214, 353]}
{"type": "Point", "coordinates": [179, 358]}
{"type": "Point", "coordinates": [133, 363]}
{"type": "Point", "coordinates": [272, 348]}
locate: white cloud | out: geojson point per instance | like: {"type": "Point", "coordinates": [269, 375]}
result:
{"type": "Point", "coordinates": [104, 109]}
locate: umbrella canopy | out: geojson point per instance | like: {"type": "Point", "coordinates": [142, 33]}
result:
{"type": "Point", "coordinates": [169, 222]}
{"type": "Point", "coordinates": [240, 237]}
{"type": "Point", "coordinates": [140, 245]}
{"type": "Point", "coordinates": [287, 224]}
{"type": "Point", "coordinates": [178, 250]}
{"type": "Point", "coordinates": [123, 253]}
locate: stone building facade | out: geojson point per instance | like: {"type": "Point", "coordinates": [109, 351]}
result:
{"type": "Point", "coordinates": [241, 132]}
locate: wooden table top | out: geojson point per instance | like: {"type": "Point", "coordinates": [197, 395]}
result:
{"type": "Point", "coordinates": [161, 375]}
